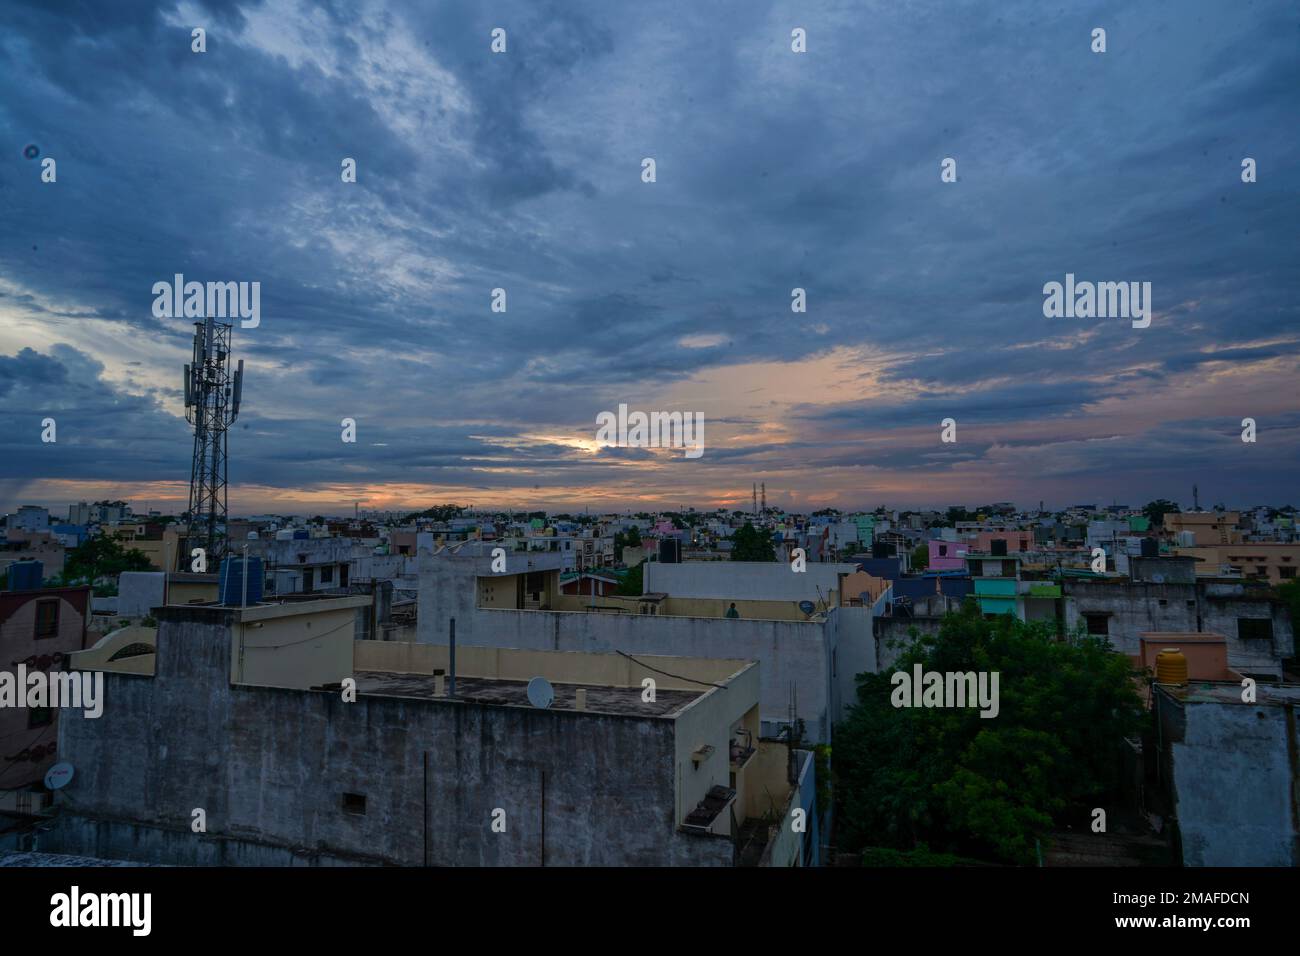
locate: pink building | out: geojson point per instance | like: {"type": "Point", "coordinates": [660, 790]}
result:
{"type": "Point", "coordinates": [947, 555]}
{"type": "Point", "coordinates": [1016, 541]}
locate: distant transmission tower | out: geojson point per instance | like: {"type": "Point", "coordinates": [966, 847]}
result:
{"type": "Point", "coordinates": [211, 406]}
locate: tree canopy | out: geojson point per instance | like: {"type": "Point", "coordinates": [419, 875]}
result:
{"type": "Point", "coordinates": [1156, 511]}
{"type": "Point", "coordinates": [751, 544]}
{"type": "Point", "coordinates": [101, 557]}
{"type": "Point", "coordinates": [955, 782]}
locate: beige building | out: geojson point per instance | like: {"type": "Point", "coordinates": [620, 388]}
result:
{"type": "Point", "coordinates": [1209, 527]}
{"type": "Point", "coordinates": [1272, 561]}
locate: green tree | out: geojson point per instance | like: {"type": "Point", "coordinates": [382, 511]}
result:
{"type": "Point", "coordinates": [1156, 511]}
{"type": "Point", "coordinates": [751, 544]}
{"type": "Point", "coordinates": [920, 557]}
{"type": "Point", "coordinates": [439, 513]}
{"type": "Point", "coordinates": [632, 583]}
{"type": "Point", "coordinates": [948, 779]}
{"type": "Point", "coordinates": [101, 558]}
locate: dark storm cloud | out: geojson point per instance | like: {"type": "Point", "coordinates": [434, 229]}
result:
{"type": "Point", "coordinates": [522, 171]}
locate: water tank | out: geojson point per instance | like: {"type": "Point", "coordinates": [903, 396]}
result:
{"type": "Point", "coordinates": [1150, 548]}
{"type": "Point", "coordinates": [26, 575]}
{"type": "Point", "coordinates": [232, 581]}
{"type": "Point", "coordinates": [879, 549]}
{"type": "Point", "coordinates": [998, 547]}
{"type": "Point", "coordinates": [1171, 666]}
{"type": "Point", "coordinates": [670, 551]}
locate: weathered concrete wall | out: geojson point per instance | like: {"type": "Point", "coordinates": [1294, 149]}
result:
{"type": "Point", "coordinates": [138, 592]}
{"type": "Point", "coordinates": [1136, 607]}
{"type": "Point", "coordinates": [787, 650]}
{"type": "Point", "coordinates": [1232, 772]}
{"type": "Point", "coordinates": [894, 637]}
{"type": "Point", "coordinates": [747, 580]}
{"type": "Point", "coordinates": [270, 767]}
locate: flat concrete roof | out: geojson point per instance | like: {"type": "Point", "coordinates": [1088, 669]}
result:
{"type": "Point", "coordinates": [1228, 692]}
{"type": "Point", "coordinates": [514, 693]}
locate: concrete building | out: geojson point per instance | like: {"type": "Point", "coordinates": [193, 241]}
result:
{"type": "Point", "coordinates": [1164, 594]}
{"type": "Point", "coordinates": [306, 565]}
{"type": "Point", "coordinates": [1208, 527]}
{"type": "Point", "coordinates": [159, 543]}
{"type": "Point", "coordinates": [809, 662]}
{"type": "Point", "coordinates": [139, 592]}
{"type": "Point", "coordinates": [288, 772]}
{"type": "Point", "coordinates": [33, 546]}
{"type": "Point", "coordinates": [1229, 768]}
{"type": "Point", "coordinates": [29, 518]}
{"type": "Point", "coordinates": [766, 589]}
{"type": "Point", "coordinates": [1275, 562]}
{"type": "Point", "coordinates": [39, 629]}
{"type": "Point", "coordinates": [946, 555]}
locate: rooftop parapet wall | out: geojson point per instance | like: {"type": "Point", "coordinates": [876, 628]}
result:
{"type": "Point", "coordinates": [270, 767]}
{"type": "Point", "coordinates": [570, 667]}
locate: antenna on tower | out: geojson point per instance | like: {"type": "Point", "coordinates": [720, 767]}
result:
{"type": "Point", "coordinates": [755, 507]}
{"type": "Point", "coordinates": [764, 497]}
{"type": "Point", "coordinates": [213, 392]}
{"type": "Point", "coordinates": [1196, 498]}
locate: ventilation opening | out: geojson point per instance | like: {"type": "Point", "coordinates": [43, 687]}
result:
{"type": "Point", "coordinates": [354, 803]}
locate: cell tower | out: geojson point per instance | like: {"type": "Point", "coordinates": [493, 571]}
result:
{"type": "Point", "coordinates": [763, 491]}
{"type": "Point", "coordinates": [211, 405]}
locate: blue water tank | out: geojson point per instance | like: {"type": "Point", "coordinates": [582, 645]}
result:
{"type": "Point", "coordinates": [300, 534]}
{"type": "Point", "coordinates": [232, 581]}
{"type": "Point", "coordinates": [26, 575]}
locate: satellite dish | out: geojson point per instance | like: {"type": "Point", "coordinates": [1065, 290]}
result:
{"type": "Point", "coordinates": [807, 607]}
{"type": "Point", "coordinates": [540, 693]}
{"type": "Point", "coordinates": [58, 776]}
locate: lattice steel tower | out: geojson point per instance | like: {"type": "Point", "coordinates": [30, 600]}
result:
{"type": "Point", "coordinates": [212, 395]}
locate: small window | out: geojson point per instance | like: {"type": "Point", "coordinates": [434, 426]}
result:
{"type": "Point", "coordinates": [1287, 573]}
{"type": "Point", "coordinates": [354, 803]}
{"type": "Point", "coordinates": [327, 574]}
{"type": "Point", "coordinates": [1255, 628]}
{"type": "Point", "coordinates": [47, 619]}
{"type": "Point", "coordinates": [1164, 603]}
{"type": "Point", "coordinates": [1098, 624]}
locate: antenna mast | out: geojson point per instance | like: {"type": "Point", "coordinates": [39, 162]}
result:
{"type": "Point", "coordinates": [212, 394]}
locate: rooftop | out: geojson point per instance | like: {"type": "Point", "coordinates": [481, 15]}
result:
{"type": "Point", "coordinates": [514, 693]}
{"type": "Point", "coordinates": [1227, 692]}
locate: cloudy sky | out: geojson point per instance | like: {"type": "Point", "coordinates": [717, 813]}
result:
{"type": "Point", "coordinates": [775, 170]}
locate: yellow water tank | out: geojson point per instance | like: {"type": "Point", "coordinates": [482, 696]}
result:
{"type": "Point", "coordinates": [1171, 666]}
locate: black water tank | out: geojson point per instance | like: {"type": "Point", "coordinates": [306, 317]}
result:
{"type": "Point", "coordinates": [1150, 548]}
{"type": "Point", "coordinates": [670, 551]}
{"type": "Point", "coordinates": [998, 547]}
{"type": "Point", "coordinates": [880, 549]}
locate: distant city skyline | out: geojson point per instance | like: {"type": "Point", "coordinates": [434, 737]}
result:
{"type": "Point", "coordinates": [143, 507]}
{"type": "Point", "coordinates": [775, 172]}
